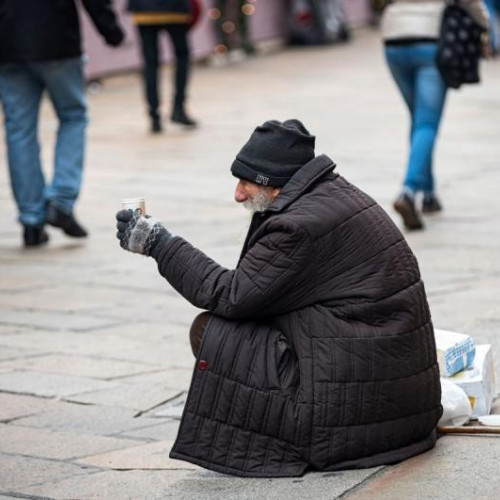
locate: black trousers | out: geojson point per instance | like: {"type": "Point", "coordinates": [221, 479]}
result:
{"type": "Point", "coordinates": [149, 35]}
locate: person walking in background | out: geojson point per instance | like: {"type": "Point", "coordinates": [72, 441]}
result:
{"type": "Point", "coordinates": [40, 49]}
{"type": "Point", "coordinates": [174, 17]}
{"type": "Point", "coordinates": [410, 29]}
{"type": "Point", "coordinates": [493, 9]}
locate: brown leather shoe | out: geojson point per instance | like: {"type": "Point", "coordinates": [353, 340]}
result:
{"type": "Point", "coordinates": [405, 206]}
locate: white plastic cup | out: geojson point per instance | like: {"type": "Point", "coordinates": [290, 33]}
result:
{"type": "Point", "coordinates": [138, 205]}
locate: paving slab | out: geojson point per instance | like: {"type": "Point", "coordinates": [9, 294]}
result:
{"type": "Point", "coordinates": [163, 308]}
{"type": "Point", "coordinates": [146, 456]}
{"type": "Point", "coordinates": [149, 331]}
{"type": "Point", "coordinates": [67, 298]}
{"type": "Point", "coordinates": [47, 384]}
{"type": "Point", "coordinates": [180, 378]}
{"type": "Point", "coordinates": [97, 342]}
{"type": "Point", "coordinates": [14, 282]}
{"type": "Point", "coordinates": [175, 355]}
{"type": "Point", "coordinates": [481, 291]}
{"type": "Point", "coordinates": [458, 467]}
{"type": "Point", "coordinates": [96, 420]}
{"type": "Point", "coordinates": [171, 409]}
{"type": "Point", "coordinates": [165, 313]}
{"type": "Point", "coordinates": [9, 353]}
{"type": "Point", "coordinates": [166, 431]}
{"type": "Point", "coordinates": [140, 397]}
{"type": "Point", "coordinates": [54, 320]}
{"type": "Point", "coordinates": [78, 366]}
{"type": "Point", "coordinates": [15, 440]}
{"type": "Point", "coordinates": [126, 485]}
{"type": "Point", "coordinates": [321, 486]}
{"type": "Point", "coordinates": [6, 330]}
{"type": "Point", "coordinates": [14, 406]}
{"type": "Point", "coordinates": [18, 472]}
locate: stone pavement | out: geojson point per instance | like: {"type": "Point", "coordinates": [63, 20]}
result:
{"type": "Point", "coordinates": [94, 356]}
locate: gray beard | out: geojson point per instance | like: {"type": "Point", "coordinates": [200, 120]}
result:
{"type": "Point", "coordinates": [259, 202]}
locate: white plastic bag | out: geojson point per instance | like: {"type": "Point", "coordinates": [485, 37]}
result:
{"type": "Point", "coordinates": [456, 405]}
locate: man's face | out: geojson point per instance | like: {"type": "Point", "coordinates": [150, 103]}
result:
{"type": "Point", "coordinates": [254, 197]}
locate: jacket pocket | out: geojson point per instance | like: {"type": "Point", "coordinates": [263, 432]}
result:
{"type": "Point", "coordinates": [287, 366]}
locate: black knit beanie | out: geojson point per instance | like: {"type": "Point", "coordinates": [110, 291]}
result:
{"type": "Point", "coordinates": [274, 153]}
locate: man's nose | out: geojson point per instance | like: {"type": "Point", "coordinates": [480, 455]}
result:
{"type": "Point", "coordinates": [239, 194]}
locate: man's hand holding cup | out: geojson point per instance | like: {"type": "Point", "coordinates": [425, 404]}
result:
{"type": "Point", "coordinates": [137, 232]}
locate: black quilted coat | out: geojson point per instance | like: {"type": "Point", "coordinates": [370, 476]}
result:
{"type": "Point", "coordinates": [320, 354]}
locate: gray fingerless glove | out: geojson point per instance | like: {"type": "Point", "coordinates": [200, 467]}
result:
{"type": "Point", "coordinates": [139, 234]}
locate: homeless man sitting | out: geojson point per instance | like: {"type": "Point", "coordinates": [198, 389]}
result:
{"type": "Point", "coordinates": [317, 351]}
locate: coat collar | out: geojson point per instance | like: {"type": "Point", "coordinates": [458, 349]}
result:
{"type": "Point", "coordinates": [301, 182]}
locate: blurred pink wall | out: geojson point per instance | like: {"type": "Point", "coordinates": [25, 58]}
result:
{"type": "Point", "coordinates": [269, 21]}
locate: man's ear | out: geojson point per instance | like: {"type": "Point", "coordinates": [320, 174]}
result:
{"type": "Point", "coordinates": [275, 192]}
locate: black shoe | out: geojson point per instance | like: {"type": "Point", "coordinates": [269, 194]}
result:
{"type": "Point", "coordinates": [67, 222]}
{"type": "Point", "coordinates": [405, 206]}
{"type": "Point", "coordinates": [34, 236]}
{"type": "Point", "coordinates": [180, 116]}
{"type": "Point", "coordinates": [156, 127]}
{"type": "Point", "coordinates": [431, 205]}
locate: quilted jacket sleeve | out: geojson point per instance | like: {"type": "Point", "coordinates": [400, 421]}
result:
{"type": "Point", "coordinates": [105, 20]}
{"type": "Point", "coordinates": [268, 280]}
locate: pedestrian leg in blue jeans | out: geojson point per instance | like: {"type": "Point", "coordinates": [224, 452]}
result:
{"type": "Point", "coordinates": [21, 88]}
{"type": "Point", "coordinates": [424, 92]}
{"type": "Point", "coordinates": [21, 92]}
{"type": "Point", "coordinates": [427, 110]}
{"type": "Point", "coordinates": [493, 6]}
{"type": "Point", "coordinates": [65, 84]}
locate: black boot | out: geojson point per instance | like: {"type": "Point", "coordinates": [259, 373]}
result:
{"type": "Point", "coordinates": [35, 236]}
{"type": "Point", "coordinates": [156, 126]}
{"type": "Point", "coordinates": [180, 116]}
{"type": "Point", "coordinates": [67, 222]}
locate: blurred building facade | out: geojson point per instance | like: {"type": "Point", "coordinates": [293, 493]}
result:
{"type": "Point", "coordinates": [269, 21]}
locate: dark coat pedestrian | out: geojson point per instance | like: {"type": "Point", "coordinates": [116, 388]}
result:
{"type": "Point", "coordinates": [175, 17]}
{"type": "Point", "coordinates": [178, 6]}
{"type": "Point", "coordinates": [40, 50]}
{"type": "Point", "coordinates": [48, 30]}
{"type": "Point", "coordinates": [319, 353]}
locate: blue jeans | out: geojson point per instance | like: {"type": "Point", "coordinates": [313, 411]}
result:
{"type": "Point", "coordinates": [493, 9]}
{"type": "Point", "coordinates": [424, 92]}
{"type": "Point", "coordinates": [21, 89]}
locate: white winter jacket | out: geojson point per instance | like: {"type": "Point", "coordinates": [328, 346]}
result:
{"type": "Point", "coordinates": [420, 19]}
